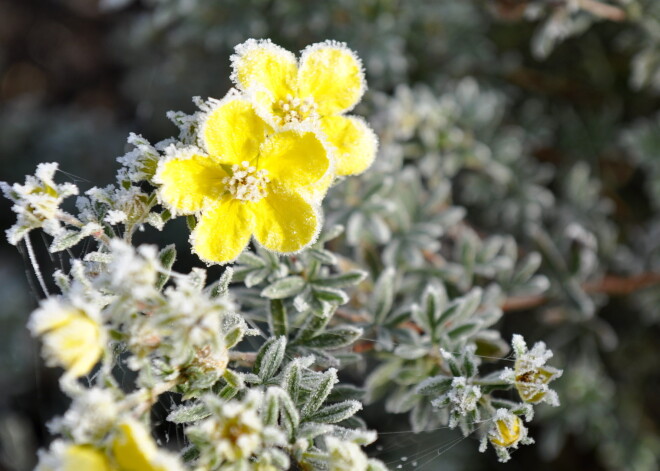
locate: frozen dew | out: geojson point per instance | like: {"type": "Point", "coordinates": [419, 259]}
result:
{"type": "Point", "coordinates": [247, 183]}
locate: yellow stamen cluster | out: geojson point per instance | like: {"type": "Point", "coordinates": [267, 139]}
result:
{"type": "Point", "coordinates": [296, 110]}
{"type": "Point", "coordinates": [247, 183]}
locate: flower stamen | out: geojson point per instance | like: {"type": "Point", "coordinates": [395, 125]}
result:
{"type": "Point", "coordinates": [295, 110]}
{"type": "Point", "coordinates": [247, 183]}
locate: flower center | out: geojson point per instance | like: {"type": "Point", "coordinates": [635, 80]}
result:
{"type": "Point", "coordinates": [247, 183]}
{"type": "Point", "coordinates": [295, 110]}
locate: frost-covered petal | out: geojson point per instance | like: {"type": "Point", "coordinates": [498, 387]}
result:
{"type": "Point", "coordinates": [285, 221]}
{"type": "Point", "coordinates": [260, 65]}
{"type": "Point", "coordinates": [67, 457]}
{"type": "Point", "coordinates": [355, 143]}
{"type": "Point", "coordinates": [223, 231]}
{"type": "Point", "coordinates": [71, 339]}
{"type": "Point", "coordinates": [294, 159]}
{"type": "Point", "coordinates": [232, 131]}
{"type": "Point", "coordinates": [332, 75]}
{"type": "Point", "coordinates": [188, 185]}
{"type": "Point", "coordinates": [135, 450]}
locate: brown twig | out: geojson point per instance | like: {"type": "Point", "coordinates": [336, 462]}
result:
{"type": "Point", "coordinates": [612, 285]}
{"type": "Point", "coordinates": [603, 10]}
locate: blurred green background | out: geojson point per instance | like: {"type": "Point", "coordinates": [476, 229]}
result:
{"type": "Point", "coordinates": [579, 80]}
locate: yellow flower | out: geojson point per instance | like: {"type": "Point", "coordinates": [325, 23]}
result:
{"type": "Point", "coordinates": [531, 384]}
{"type": "Point", "coordinates": [326, 83]}
{"type": "Point", "coordinates": [66, 457]}
{"type": "Point", "coordinates": [71, 338]}
{"type": "Point", "coordinates": [507, 431]}
{"type": "Point", "coordinates": [250, 181]}
{"type": "Point", "coordinates": [134, 450]}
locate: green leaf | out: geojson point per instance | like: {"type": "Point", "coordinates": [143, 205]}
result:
{"type": "Point", "coordinates": [324, 256]}
{"type": "Point", "coordinates": [343, 280]}
{"type": "Point", "coordinates": [270, 357]}
{"type": "Point", "coordinates": [167, 257]}
{"type": "Point", "coordinates": [188, 413]}
{"type": "Point", "coordinates": [221, 287]}
{"type": "Point", "coordinates": [383, 295]}
{"type": "Point", "coordinates": [330, 295]}
{"type": "Point", "coordinates": [464, 330]}
{"type": "Point", "coordinates": [434, 386]}
{"type": "Point", "coordinates": [271, 408]}
{"type": "Point", "coordinates": [278, 319]}
{"type": "Point", "coordinates": [291, 380]}
{"type": "Point", "coordinates": [233, 379]}
{"type": "Point", "coordinates": [284, 288]}
{"type": "Point", "coordinates": [191, 221]}
{"type": "Point", "coordinates": [320, 393]}
{"type": "Point", "coordinates": [335, 338]}
{"type": "Point", "coordinates": [336, 412]}
{"type": "Point", "coordinates": [289, 415]}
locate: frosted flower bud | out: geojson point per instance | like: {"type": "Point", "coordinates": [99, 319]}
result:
{"type": "Point", "coordinates": [530, 374]}
{"type": "Point", "coordinates": [345, 456]}
{"type": "Point", "coordinates": [506, 432]}
{"type": "Point", "coordinates": [37, 202]}
{"type": "Point", "coordinates": [71, 334]}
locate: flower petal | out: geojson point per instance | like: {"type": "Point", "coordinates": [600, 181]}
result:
{"type": "Point", "coordinates": [223, 231]}
{"type": "Point", "coordinates": [294, 158]}
{"type": "Point", "coordinates": [79, 457]}
{"type": "Point", "coordinates": [262, 65]}
{"type": "Point", "coordinates": [232, 132]}
{"type": "Point", "coordinates": [285, 221]}
{"type": "Point", "coordinates": [331, 74]}
{"type": "Point", "coordinates": [355, 143]}
{"type": "Point", "coordinates": [187, 185]}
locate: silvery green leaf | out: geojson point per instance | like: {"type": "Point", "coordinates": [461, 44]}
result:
{"type": "Point", "coordinates": [250, 259]}
{"type": "Point", "coordinates": [335, 338]}
{"type": "Point", "coordinates": [342, 392]}
{"type": "Point", "coordinates": [167, 257]}
{"type": "Point", "coordinates": [98, 257]}
{"type": "Point", "coordinates": [271, 407]}
{"type": "Point", "coordinates": [410, 352]}
{"type": "Point", "coordinates": [270, 357]}
{"type": "Point", "coordinates": [343, 280]}
{"type": "Point", "coordinates": [289, 415]}
{"type": "Point", "coordinates": [67, 239]}
{"type": "Point", "coordinates": [155, 220]}
{"type": "Point", "coordinates": [221, 287]}
{"type": "Point", "coordinates": [254, 277]}
{"type": "Point", "coordinates": [284, 288]}
{"type": "Point", "coordinates": [379, 380]}
{"type": "Point", "coordinates": [336, 412]}
{"type": "Point", "coordinates": [311, 430]}
{"type": "Point", "coordinates": [383, 295]}
{"type": "Point", "coordinates": [291, 379]}
{"type": "Point", "coordinates": [469, 303]}
{"type": "Point", "coordinates": [320, 393]}
{"type": "Point", "coordinates": [313, 324]}
{"type": "Point", "coordinates": [188, 413]}
{"type": "Point", "coordinates": [330, 295]}
{"type": "Point", "coordinates": [434, 386]}
{"type": "Point", "coordinates": [331, 233]}
{"type": "Point", "coordinates": [464, 330]}
{"type": "Point", "coordinates": [324, 256]}
{"type": "Point", "coordinates": [233, 379]}
{"type": "Point", "coordinates": [277, 319]}
{"type": "Point", "coordinates": [227, 392]}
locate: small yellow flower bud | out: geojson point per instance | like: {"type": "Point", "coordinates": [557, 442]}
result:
{"type": "Point", "coordinates": [507, 431]}
{"type": "Point", "coordinates": [71, 339]}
